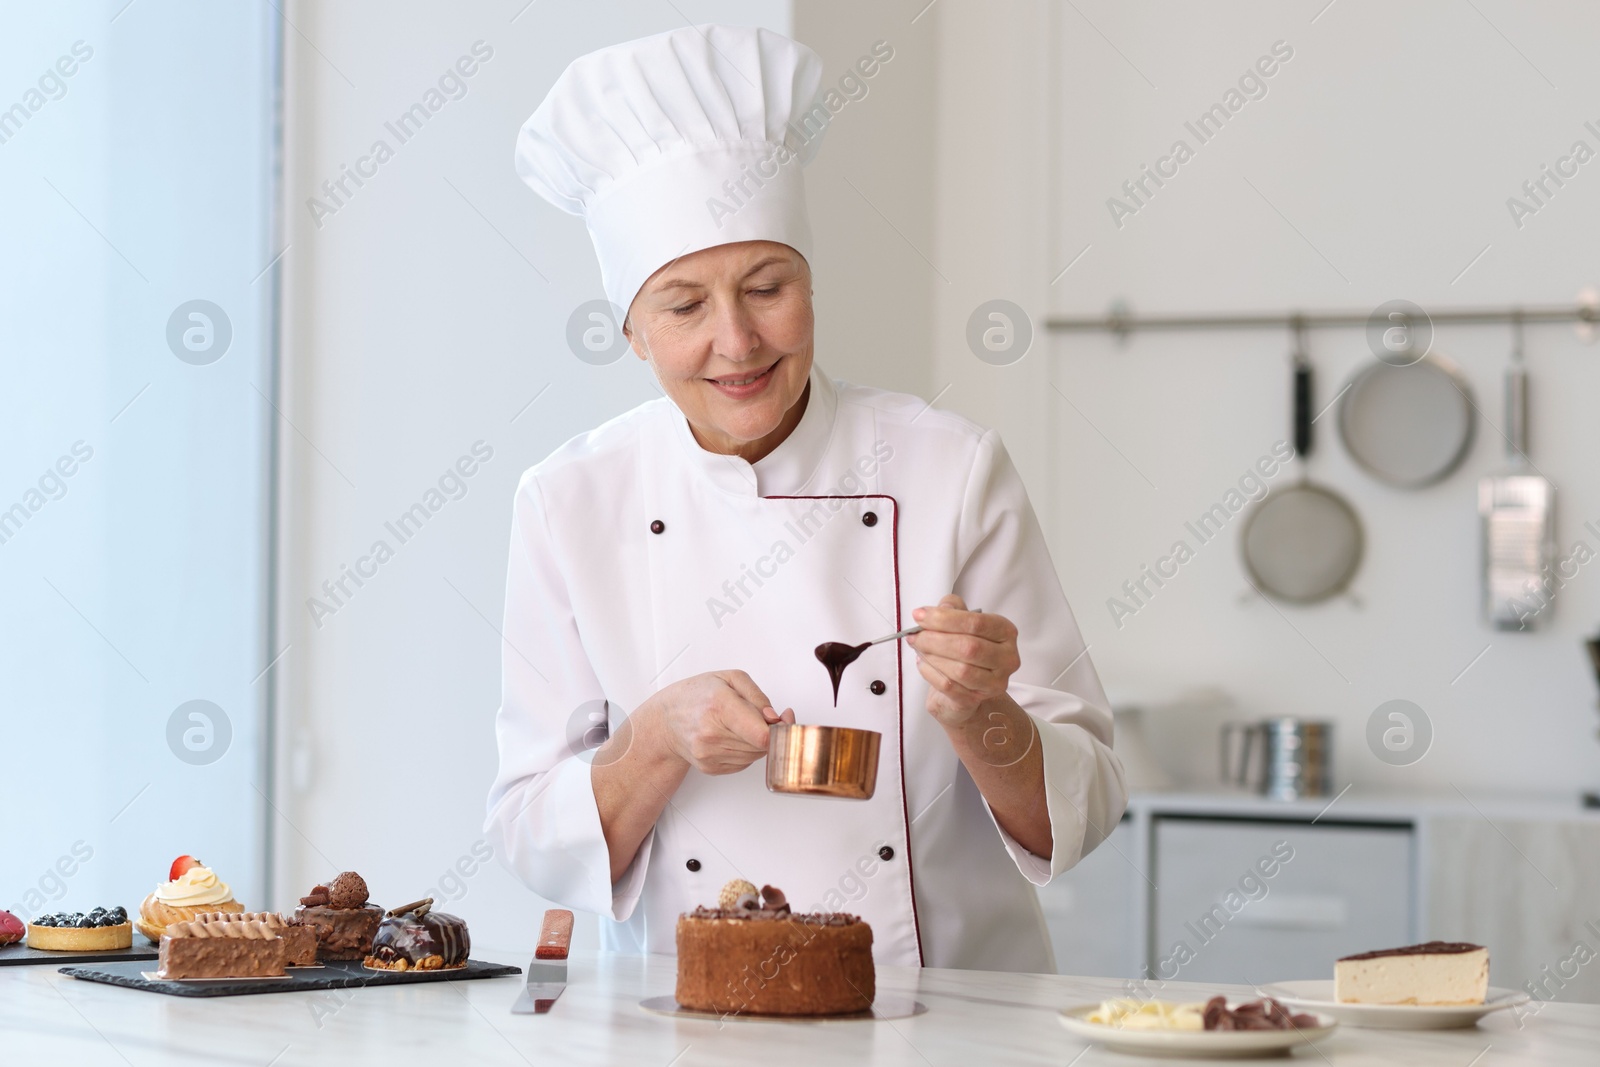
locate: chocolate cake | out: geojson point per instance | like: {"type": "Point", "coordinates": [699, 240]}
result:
{"type": "Point", "coordinates": [239, 949]}
{"type": "Point", "coordinates": [751, 955]}
{"type": "Point", "coordinates": [341, 916]}
{"type": "Point", "coordinates": [417, 938]}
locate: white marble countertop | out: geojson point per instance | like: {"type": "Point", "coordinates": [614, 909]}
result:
{"type": "Point", "coordinates": [973, 1017]}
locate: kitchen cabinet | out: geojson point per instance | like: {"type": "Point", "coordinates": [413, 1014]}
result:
{"type": "Point", "coordinates": [1256, 900]}
{"type": "Point", "coordinates": [1362, 872]}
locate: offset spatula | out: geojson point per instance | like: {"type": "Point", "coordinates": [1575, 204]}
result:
{"type": "Point", "coordinates": [547, 974]}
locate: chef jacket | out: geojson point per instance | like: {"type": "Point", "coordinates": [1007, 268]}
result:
{"type": "Point", "coordinates": [638, 559]}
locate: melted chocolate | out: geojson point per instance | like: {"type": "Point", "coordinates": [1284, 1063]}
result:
{"type": "Point", "coordinates": [836, 656]}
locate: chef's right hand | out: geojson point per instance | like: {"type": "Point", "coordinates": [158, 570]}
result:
{"type": "Point", "coordinates": [717, 722]}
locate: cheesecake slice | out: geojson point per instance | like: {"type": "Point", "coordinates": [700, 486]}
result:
{"type": "Point", "coordinates": [1434, 973]}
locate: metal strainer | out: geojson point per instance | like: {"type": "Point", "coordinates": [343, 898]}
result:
{"type": "Point", "coordinates": [1408, 425]}
{"type": "Point", "coordinates": [1303, 543]}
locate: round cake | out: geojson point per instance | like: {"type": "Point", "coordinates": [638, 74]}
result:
{"type": "Point", "coordinates": [417, 938]}
{"type": "Point", "coordinates": [342, 917]}
{"type": "Point", "coordinates": [752, 956]}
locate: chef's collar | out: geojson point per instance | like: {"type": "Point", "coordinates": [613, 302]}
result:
{"type": "Point", "coordinates": [788, 469]}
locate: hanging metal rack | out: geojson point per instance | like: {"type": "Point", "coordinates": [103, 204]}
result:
{"type": "Point", "coordinates": [1122, 322]}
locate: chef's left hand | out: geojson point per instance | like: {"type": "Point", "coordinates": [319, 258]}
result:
{"type": "Point", "coordinates": [967, 657]}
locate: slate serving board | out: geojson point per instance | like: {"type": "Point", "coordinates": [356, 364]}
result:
{"type": "Point", "coordinates": [333, 974]}
{"type": "Point", "coordinates": [20, 953]}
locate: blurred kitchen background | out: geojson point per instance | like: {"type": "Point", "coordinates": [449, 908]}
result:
{"type": "Point", "coordinates": [352, 345]}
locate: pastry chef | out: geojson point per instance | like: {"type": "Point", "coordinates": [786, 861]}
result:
{"type": "Point", "coordinates": [672, 570]}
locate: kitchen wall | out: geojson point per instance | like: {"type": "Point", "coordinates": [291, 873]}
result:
{"type": "Point", "coordinates": [425, 316]}
{"type": "Point", "coordinates": [427, 313]}
{"type": "Point", "coordinates": [871, 195]}
{"type": "Point", "coordinates": [425, 322]}
{"type": "Point", "coordinates": [1376, 166]}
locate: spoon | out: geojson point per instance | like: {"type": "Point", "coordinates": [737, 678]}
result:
{"type": "Point", "coordinates": [836, 655]}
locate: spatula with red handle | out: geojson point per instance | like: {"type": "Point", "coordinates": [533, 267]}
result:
{"type": "Point", "coordinates": [547, 974]}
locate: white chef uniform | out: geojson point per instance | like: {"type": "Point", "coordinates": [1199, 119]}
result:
{"type": "Point", "coordinates": [639, 559]}
{"type": "Point", "coordinates": [874, 505]}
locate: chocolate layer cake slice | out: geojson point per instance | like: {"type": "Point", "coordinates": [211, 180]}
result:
{"type": "Point", "coordinates": [1435, 973]}
{"type": "Point", "coordinates": [221, 950]}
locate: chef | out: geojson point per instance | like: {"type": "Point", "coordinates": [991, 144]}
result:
{"type": "Point", "coordinates": [672, 570]}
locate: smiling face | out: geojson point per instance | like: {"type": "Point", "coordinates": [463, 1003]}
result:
{"type": "Point", "coordinates": [728, 332]}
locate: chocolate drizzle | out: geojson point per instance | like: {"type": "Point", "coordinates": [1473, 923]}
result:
{"type": "Point", "coordinates": [836, 656]}
{"type": "Point", "coordinates": [416, 935]}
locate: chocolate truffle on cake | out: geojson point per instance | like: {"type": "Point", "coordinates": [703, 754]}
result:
{"type": "Point", "coordinates": [341, 916]}
{"type": "Point", "coordinates": [417, 938]}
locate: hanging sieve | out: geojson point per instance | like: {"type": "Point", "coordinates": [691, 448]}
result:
{"type": "Point", "coordinates": [1302, 544]}
{"type": "Point", "coordinates": [1408, 425]}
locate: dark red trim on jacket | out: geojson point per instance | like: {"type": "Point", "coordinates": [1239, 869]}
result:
{"type": "Point", "coordinates": [900, 696]}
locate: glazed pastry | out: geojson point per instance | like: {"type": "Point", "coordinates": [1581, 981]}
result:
{"type": "Point", "coordinates": [12, 929]}
{"type": "Point", "coordinates": [417, 938]}
{"type": "Point", "coordinates": [97, 931]}
{"type": "Point", "coordinates": [343, 919]}
{"type": "Point", "coordinates": [193, 890]}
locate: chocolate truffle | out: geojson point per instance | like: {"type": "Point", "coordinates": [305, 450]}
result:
{"type": "Point", "coordinates": [349, 890]}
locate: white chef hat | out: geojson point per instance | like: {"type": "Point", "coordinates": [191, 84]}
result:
{"type": "Point", "coordinates": [678, 142]}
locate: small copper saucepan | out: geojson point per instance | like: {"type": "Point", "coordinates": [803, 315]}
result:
{"type": "Point", "coordinates": [830, 761]}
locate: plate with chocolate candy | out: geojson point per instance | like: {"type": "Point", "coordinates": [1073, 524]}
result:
{"type": "Point", "coordinates": [1213, 1029]}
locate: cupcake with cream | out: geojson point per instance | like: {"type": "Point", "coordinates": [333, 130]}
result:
{"type": "Point", "coordinates": [193, 889]}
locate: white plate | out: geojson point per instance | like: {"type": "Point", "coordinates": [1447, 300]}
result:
{"type": "Point", "coordinates": [1317, 995]}
{"type": "Point", "coordinates": [1193, 1044]}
